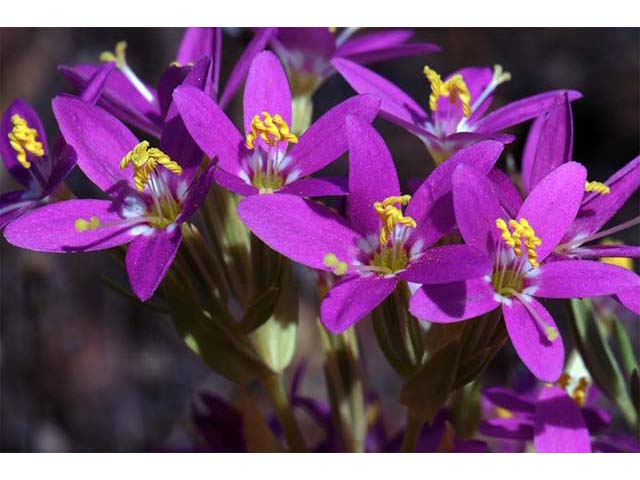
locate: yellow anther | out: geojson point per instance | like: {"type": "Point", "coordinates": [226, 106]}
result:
{"type": "Point", "coordinates": [118, 55]}
{"type": "Point", "coordinates": [580, 392]}
{"type": "Point", "coordinates": [455, 88]}
{"type": "Point", "coordinates": [522, 234]}
{"type": "Point", "coordinates": [550, 332]}
{"type": "Point", "coordinates": [392, 216]}
{"type": "Point", "coordinates": [624, 262]}
{"type": "Point", "coordinates": [83, 225]}
{"type": "Point", "coordinates": [564, 380]}
{"type": "Point", "coordinates": [499, 75]}
{"type": "Point", "coordinates": [338, 267]}
{"type": "Point", "coordinates": [24, 139]}
{"type": "Point", "coordinates": [597, 187]}
{"type": "Point", "coordinates": [271, 129]}
{"type": "Point", "coordinates": [145, 160]}
{"type": "Point", "coordinates": [503, 413]}
{"type": "Point", "coordinates": [332, 29]}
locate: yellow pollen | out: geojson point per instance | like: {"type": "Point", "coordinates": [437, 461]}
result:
{"type": "Point", "coordinates": [624, 262]}
{"type": "Point", "coordinates": [24, 139]}
{"type": "Point", "coordinates": [118, 55]}
{"type": "Point", "coordinates": [332, 29]}
{"type": "Point", "coordinates": [271, 129]}
{"type": "Point", "coordinates": [522, 234]}
{"type": "Point", "coordinates": [145, 160]}
{"type": "Point", "coordinates": [83, 225]}
{"type": "Point", "coordinates": [392, 216]}
{"type": "Point", "coordinates": [580, 392]}
{"type": "Point", "coordinates": [503, 413]}
{"type": "Point", "coordinates": [338, 267]}
{"type": "Point", "coordinates": [597, 187]}
{"type": "Point", "coordinates": [551, 333]}
{"type": "Point", "coordinates": [455, 88]}
{"type": "Point", "coordinates": [564, 380]}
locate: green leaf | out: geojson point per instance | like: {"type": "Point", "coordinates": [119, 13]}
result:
{"type": "Point", "coordinates": [426, 391]}
{"type": "Point", "coordinates": [599, 358]}
{"type": "Point", "coordinates": [634, 389]}
{"type": "Point", "coordinates": [222, 350]}
{"type": "Point", "coordinates": [629, 362]}
{"type": "Point", "coordinates": [259, 311]}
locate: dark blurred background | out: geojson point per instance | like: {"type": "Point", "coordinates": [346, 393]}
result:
{"type": "Point", "coordinates": [85, 369]}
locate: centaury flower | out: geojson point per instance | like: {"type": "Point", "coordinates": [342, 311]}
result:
{"type": "Point", "coordinates": [150, 196]}
{"type": "Point", "coordinates": [380, 244]}
{"type": "Point", "coordinates": [458, 105]}
{"type": "Point", "coordinates": [25, 153]}
{"type": "Point", "coordinates": [307, 52]}
{"type": "Point", "coordinates": [518, 250]}
{"type": "Point", "coordinates": [270, 158]}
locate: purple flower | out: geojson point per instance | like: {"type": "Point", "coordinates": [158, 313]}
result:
{"type": "Point", "coordinates": [380, 244]}
{"type": "Point", "coordinates": [549, 145]}
{"type": "Point", "coordinates": [518, 250]}
{"type": "Point", "coordinates": [151, 195]}
{"type": "Point", "coordinates": [133, 101]}
{"type": "Point", "coordinates": [553, 419]}
{"type": "Point", "coordinates": [271, 158]}
{"type": "Point", "coordinates": [307, 52]}
{"type": "Point", "coordinates": [25, 153]}
{"type": "Point", "coordinates": [458, 105]}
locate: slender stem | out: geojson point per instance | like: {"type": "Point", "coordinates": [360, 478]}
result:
{"type": "Point", "coordinates": [412, 432]}
{"type": "Point", "coordinates": [275, 387]}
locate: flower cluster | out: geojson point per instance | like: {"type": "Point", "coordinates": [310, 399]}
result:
{"type": "Point", "coordinates": [218, 221]}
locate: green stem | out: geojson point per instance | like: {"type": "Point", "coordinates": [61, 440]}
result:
{"type": "Point", "coordinates": [275, 387]}
{"type": "Point", "coordinates": [412, 432]}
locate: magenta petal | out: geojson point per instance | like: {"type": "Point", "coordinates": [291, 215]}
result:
{"type": "Point", "coordinates": [210, 127]}
{"type": "Point", "coordinates": [372, 176]}
{"type": "Point", "coordinates": [580, 279]}
{"type": "Point", "coordinates": [239, 72]}
{"type": "Point", "coordinates": [171, 78]}
{"type": "Point", "coordinates": [509, 428]}
{"type": "Point", "coordinates": [543, 357]}
{"type": "Point", "coordinates": [299, 229]}
{"type": "Point", "coordinates": [99, 140]}
{"type": "Point", "coordinates": [352, 299]}
{"type": "Point", "coordinates": [432, 204]}
{"type": "Point", "coordinates": [317, 187]}
{"type": "Point", "coordinates": [374, 41]}
{"type": "Point", "coordinates": [521, 111]}
{"type": "Point", "coordinates": [148, 259]}
{"type": "Point", "coordinates": [453, 302]}
{"type": "Point", "coordinates": [509, 400]}
{"type": "Point", "coordinates": [96, 84]}
{"type": "Point", "coordinates": [597, 210]}
{"type": "Point", "coordinates": [8, 154]}
{"type": "Point", "coordinates": [326, 138]}
{"type": "Point", "coordinates": [529, 151]}
{"type": "Point", "coordinates": [64, 161]}
{"type": "Point", "coordinates": [508, 195]}
{"type": "Point", "coordinates": [197, 42]}
{"type": "Point", "coordinates": [198, 191]}
{"type": "Point", "coordinates": [394, 101]}
{"type": "Point", "coordinates": [119, 97]}
{"type": "Point", "coordinates": [13, 205]}
{"type": "Point", "coordinates": [446, 264]}
{"type": "Point", "coordinates": [560, 426]}
{"type": "Point", "coordinates": [630, 299]}
{"type": "Point", "coordinates": [553, 204]}
{"type": "Point", "coordinates": [233, 183]}
{"type": "Point", "coordinates": [476, 208]}
{"type": "Point", "coordinates": [52, 228]}
{"type": "Point", "coordinates": [555, 142]}
{"type": "Point", "coordinates": [266, 90]}
{"type": "Point", "coordinates": [393, 52]}
{"type": "Point", "coordinates": [600, 251]}
{"type": "Point", "coordinates": [477, 79]}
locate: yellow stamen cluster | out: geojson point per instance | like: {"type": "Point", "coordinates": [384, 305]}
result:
{"type": "Point", "coordinates": [337, 266]}
{"type": "Point", "coordinates": [455, 88]}
{"type": "Point", "coordinates": [83, 225]}
{"type": "Point", "coordinates": [24, 139]}
{"type": "Point", "coordinates": [579, 394]}
{"type": "Point", "coordinates": [271, 129]}
{"type": "Point", "coordinates": [522, 233]}
{"type": "Point", "coordinates": [597, 187]}
{"type": "Point", "coordinates": [392, 216]}
{"type": "Point", "coordinates": [145, 160]}
{"type": "Point", "coordinates": [624, 262]}
{"type": "Point", "coordinates": [118, 55]}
